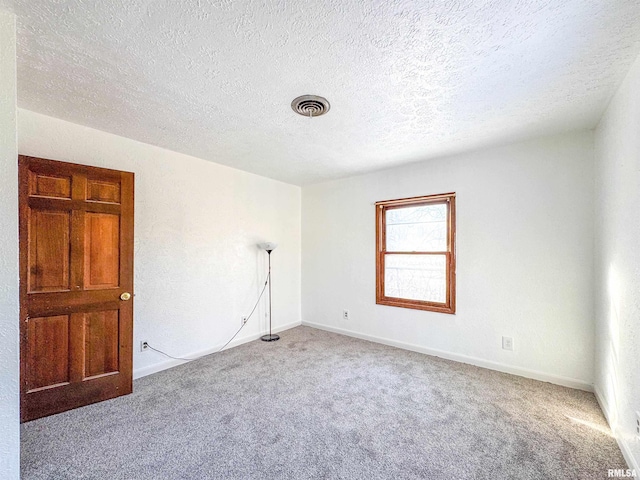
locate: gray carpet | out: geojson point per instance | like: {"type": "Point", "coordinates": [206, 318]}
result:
{"type": "Point", "coordinates": [325, 406]}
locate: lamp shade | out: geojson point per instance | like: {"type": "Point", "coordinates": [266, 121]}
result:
{"type": "Point", "coordinates": [268, 246]}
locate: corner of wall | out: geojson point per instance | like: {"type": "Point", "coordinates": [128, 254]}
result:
{"type": "Point", "coordinates": [616, 263]}
{"type": "Point", "coordinates": [632, 462]}
{"type": "Point", "coordinates": [9, 336]}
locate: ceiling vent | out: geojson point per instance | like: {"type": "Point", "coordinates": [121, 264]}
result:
{"type": "Point", "coordinates": [310, 105]}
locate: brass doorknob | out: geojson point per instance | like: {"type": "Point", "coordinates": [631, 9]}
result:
{"type": "Point", "coordinates": [125, 296]}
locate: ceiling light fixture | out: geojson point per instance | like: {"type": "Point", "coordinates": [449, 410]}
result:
{"type": "Point", "coordinates": [310, 105]}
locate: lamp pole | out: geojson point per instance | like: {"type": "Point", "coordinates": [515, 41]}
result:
{"type": "Point", "coordinates": [269, 247]}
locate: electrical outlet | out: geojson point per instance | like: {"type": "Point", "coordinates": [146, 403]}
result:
{"type": "Point", "coordinates": [638, 425]}
{"type": "Point", "coordinates": [244, 320]}
{"type": "Point", "coordinates": [345, 314]}
{"type": "Point", "coordinates": [507, 343]}
{"type": "Point", "coordinates": [144, 346]}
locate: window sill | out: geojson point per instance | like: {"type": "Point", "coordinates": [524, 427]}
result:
{"type": "Point", "coordinates": [417, 305]}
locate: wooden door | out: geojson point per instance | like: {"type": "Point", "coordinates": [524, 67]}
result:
{"type": "Point", "coordinates": [76, 272]}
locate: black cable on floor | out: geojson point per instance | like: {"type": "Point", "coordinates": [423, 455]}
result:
{"type": "Point", "coordinates": [266, 282]}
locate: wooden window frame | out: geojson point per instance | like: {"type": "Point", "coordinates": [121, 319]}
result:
{"type": "Point", "coordinates": [449, 306]}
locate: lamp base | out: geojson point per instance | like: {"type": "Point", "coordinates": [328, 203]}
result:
{"type": "Point", "coordinates": [270, 338]}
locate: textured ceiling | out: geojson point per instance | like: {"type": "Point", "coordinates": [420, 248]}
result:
{"type": "Point", "coordinates": [407, 79]}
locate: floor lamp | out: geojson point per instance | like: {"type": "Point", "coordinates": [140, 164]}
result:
{"type": "Point", "coordinates": [269, 247]}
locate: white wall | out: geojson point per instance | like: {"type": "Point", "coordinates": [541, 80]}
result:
{"type": "Point", "coordinates": [617, 266]}
{"type": "Point", "coordinates": [197, 267]}
{"type": "Point", "coordinates": [9, 358]}
{"type": "Point", "coordinates": [524, 255]}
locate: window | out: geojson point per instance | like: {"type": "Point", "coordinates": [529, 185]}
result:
{"type": "Point", "coordinates": [415, 253]}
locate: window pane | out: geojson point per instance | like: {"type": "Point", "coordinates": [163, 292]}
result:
{"type": "Point", "coordinates": [416, 277]}
{"type": "Point", "coordinates": [417, 229]}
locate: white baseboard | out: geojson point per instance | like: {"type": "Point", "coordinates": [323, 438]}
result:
{"type": "Point", "coordinates": [479, 362]}
{"type": "Point", "coordinates": [624, 448]}
{"type": "Point", "coordinates": [158, 367]}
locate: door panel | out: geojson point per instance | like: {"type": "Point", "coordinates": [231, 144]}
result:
{"type": "Point", "coordinates": [76, 259]}
{"type": "Point", "coordinates": [49, 185]}
{"type": "Point", "coordinates": [49, 252]}
{"type": "Point", "coordinates": [48, 352]}
{"type": "Point", "coordinates": [101, 331]}
{"type": "Point", "coordinates": [102, 250]}
{"type": "Point", "coordinates": [100, 191]}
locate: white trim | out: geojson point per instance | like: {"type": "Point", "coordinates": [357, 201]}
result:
{"type": "Point", "coordinates": [479, 362]}
{"type": "Point", "coordinates": [604, 406]}
{"type": "Point", "coordinates": [624, 448]}
{"type": "Point", "coordinates": [158, 367]}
